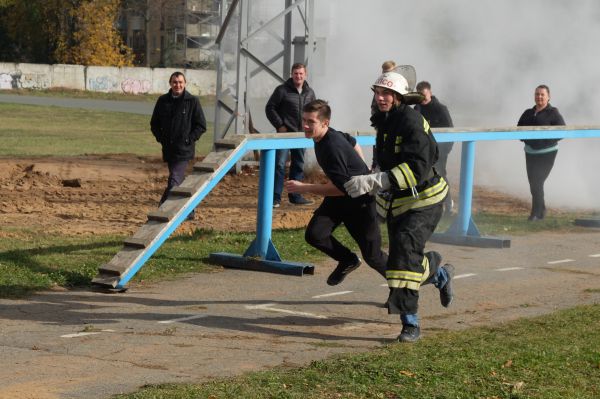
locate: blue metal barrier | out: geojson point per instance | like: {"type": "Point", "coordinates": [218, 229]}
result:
{"type": "Point", "coordinates": [262, 254]}
{"type": "Point", "coordinates": [463, 230]}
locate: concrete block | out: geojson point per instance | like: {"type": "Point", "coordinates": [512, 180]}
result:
{"type": "Point", "coordinates": [68, 76]}
{"type": "Point", "coordinates": [104, 79]}
{"type": "Point", "coordinates": [34, 76]}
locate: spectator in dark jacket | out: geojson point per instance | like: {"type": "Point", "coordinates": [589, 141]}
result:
{"type": "Point", "coordinates": [437, 115]}
{"type": "Point", "coordinates": [284, 111]}
{"type": "Point", "coordinates": [540, 154]}
{"type": "Point", "coordinates": [177, 123]}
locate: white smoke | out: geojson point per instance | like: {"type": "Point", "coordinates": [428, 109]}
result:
{"type": "Point", "coordinates": [484, 59]}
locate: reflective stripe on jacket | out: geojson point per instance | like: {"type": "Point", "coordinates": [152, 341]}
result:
{"type": "Point", "coordinates": [407, 150]}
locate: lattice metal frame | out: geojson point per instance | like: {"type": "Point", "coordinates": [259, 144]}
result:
{"type": "Point", "coordinates": [231, 109]}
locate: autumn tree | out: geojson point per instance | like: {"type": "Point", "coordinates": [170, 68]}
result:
{"type": "Point", "coordinates": [97, 41]}
{"type": "Point", "coordinates": [65, 31]}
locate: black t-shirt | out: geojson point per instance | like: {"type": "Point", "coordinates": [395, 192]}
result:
{"type": "Point", "coordinates": [339, 160]}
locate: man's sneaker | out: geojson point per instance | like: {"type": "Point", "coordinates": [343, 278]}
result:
{"type": "Point", "coordinates": [409, 333]}
{"type": "Point", "coordinates": [446, 294]}
{"type": "Point", "coordinates": [276, 204]}
{"type": "Point", "coordinates": [300, 200]}
{"type": "Point", "coordinates": [342, 270]}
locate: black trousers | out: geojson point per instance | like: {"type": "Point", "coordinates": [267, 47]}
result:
{"type": "Point", "coordinates": [176, 177]}
{"type": "Point", "coordinates": [538, 170]}
{"type": "Point", "coordinates": [406, 271]}
{"type": "Point", "coordinates": [360, 220]}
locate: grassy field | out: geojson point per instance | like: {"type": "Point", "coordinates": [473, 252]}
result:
{"type": "Point", "coordinates": [61, 92]}
{"type": "Point", "coordinates": [549, 357]}
{"type": "Point", "coordinates": [31, 130]}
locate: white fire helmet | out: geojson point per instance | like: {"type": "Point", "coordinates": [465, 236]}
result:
{"type": "Point", "coordinates": [393, 81]}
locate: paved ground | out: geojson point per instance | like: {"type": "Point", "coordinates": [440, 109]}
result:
{"type": "Point", "coordinates": [81, 344]}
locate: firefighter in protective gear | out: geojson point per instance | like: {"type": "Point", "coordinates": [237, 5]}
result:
{"type": "Point", "coordinates": [409, 195]}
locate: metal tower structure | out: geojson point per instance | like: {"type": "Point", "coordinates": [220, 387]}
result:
{"type": "Point", "coordinates": [256, 45]}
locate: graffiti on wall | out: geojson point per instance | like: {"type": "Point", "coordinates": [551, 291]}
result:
{"type": "Point", "coordinates": [6, 81]}
{"type": "Point", "coordinates": [112, 84]}
{"type": "Point", "coordinates": [136, 86]}
{"type": "Point", "coordinates": [19, 80]}
{"type": "Point", "coordinates": [34, 81]}
{"type": "Point", "coordinates": [103, 83]}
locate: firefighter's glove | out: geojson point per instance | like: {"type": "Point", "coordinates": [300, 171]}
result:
{"type": "Point", "coordinates": [367, 184]}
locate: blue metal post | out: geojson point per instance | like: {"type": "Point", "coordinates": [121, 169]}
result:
{"type": "Point", "coordinates": [467, 167]}
{"type": "Point", "coordinates": [262, 247]}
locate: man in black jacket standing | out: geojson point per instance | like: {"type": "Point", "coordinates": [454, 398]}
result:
{"type": "Point", "coordinates": [284, 111]}
{"type": "Point", "coordinates": [177, 123]}
{"type": "Point", "coordinates": [437, 115]}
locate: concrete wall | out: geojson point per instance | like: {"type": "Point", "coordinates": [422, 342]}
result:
{"type": "Point", "coordinates": [104, 79]}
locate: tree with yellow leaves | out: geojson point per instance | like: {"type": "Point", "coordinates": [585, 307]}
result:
{"type": "Point", "coordinates": [64, 31]}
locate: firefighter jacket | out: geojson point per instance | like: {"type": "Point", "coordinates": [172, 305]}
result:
{"type": "Point", "coordinates": [407, 150]}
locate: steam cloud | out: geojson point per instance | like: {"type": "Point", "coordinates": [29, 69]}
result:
{"type": "Point", "coordinates": [484, 59]}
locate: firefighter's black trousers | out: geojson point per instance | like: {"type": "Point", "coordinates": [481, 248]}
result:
{"type": "Point", "coordinates": [360, 219]}
{"type": "Point", "coordinates": [406, 270]}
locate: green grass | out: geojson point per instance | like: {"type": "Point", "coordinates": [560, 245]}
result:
{"type": "Point", "coordinates": [69, 93]}
{"type": "Point", "coordinates": [550, 357]}
{"type": "Point", "coordinates": [30, 131]}
{"type": "Point", "coordinates": [32, 261]}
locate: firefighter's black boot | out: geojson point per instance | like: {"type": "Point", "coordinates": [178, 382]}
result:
{"type": "Point", "coordinates": [446, 293]}
{"type": "Point", "coordinates": [409, 333]}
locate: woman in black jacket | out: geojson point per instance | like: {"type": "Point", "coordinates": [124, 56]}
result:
{"type": "Point", "coordinates": [540, 153]}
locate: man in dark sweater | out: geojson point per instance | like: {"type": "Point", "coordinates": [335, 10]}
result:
{"type": "Point", "coordinates": [340, 157]}
{"type": "Point", "coordinates": [437, 115]}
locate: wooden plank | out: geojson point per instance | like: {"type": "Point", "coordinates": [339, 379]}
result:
{"type": "Point", "coordinates": [148, 232]}
{"type": "Point", "coordinates": [123, 260]}
{"type": "Point", "coordinates": [196, 180]}
{"type": "Point", "coordinates": [106, 280]}
{"type": "Point", "coordinates": [231, 142]}
{"type": "Point", "coordinates": [217, 157]}
{"type": "Point", "coordinates": [210, 167]}
{"type": "Point", "coordinates": [135, 242]}
{"type": "Point", "coordinates": [109, 269]}
{"type": "Point", "coordinates": [160, 216]}
{"type": "Point", "coordinates": [182, 191]}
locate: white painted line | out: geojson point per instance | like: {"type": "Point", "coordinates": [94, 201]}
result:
{"type": "Point", "coordinates": [333, 294]}
{"type": "Point", "coordinates": [594, 256]}
{"type": "Point", "coordinates": [554, 262]}
{"type": "Point", "coordinates": [465, 275]}
{"type": "Point", "coordinates": [268, 307]}
{"type": "Point", "coordinates": [198, 316]}
{"type": "Point", "coordinates": [508, 269]}
{"type": "Point", "coordinates": [83, 334]}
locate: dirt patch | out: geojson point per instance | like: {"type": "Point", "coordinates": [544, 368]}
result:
{"type": "Point", "coordinates": [113, 194]}
{"type": "Point", "coordinates": [116, 193]}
